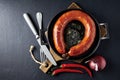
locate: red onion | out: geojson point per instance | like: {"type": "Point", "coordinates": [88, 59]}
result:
{"type": "Point", "coordinates": [97, 63]}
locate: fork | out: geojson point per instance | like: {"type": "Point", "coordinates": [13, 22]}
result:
{"type": "Point", "coordinates": [39, 20]}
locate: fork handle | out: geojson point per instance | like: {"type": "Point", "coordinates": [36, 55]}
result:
{"type": "Point", "coordinates": [39, 19]}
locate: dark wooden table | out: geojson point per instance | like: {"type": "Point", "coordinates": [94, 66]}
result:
{"type": "Point", "coordinates": [16, 37]}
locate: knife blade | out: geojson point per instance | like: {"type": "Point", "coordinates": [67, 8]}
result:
{"type": "Point", "coordinates": [47, 53]}
{"type": "Point", "coordinates": [44, 47]}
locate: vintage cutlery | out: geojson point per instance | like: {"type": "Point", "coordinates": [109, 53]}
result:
{"type": "Point", "coordinates": [39, 20]}
{"type": "Point", "coordinates": [44, 47]}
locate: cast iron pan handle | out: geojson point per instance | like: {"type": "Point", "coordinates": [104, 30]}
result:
{"type": "Point", "coordinates": [104, 33]}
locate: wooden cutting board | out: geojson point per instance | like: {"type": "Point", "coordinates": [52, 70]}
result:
{"type": "Point", "coordinates": [55, 56]}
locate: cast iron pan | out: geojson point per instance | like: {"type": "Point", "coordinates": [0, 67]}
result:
{"type": "Point", "coordinates": [90, 51]}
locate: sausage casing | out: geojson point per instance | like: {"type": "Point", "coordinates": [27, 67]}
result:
{"type": "Point", "coordinates": [60, 25]}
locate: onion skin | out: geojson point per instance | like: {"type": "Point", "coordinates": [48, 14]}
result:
{"type": "Point", "coordinates": [97, 63]}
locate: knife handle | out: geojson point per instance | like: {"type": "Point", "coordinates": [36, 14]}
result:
{"type": "Point", "coordinates": [30, 24]}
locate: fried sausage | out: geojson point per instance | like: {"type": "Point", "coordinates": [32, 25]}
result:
{"type": "Point", "coordinates": [60, 25]}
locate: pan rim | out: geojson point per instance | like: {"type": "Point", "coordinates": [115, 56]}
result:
{"type": "Point", "coordinates": [88, 52]}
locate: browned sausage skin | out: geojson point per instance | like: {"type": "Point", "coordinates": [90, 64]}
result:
{"type": "Point", "coordinates": [58, 32]}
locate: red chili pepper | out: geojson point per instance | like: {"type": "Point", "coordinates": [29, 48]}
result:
{"type": "Point", "coordinates": [57, 71]}
{"type": "Point", "coordinates": [76, 66]}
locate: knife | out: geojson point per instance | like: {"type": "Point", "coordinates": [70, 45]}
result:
{"type": "Point", "coordinates": [44, 47]}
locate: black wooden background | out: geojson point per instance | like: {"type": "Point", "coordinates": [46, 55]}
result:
{"type": "Point", "coordinates": [16, 37]}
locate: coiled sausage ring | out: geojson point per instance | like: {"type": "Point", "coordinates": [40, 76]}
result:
{"type": "Point", "coordinates": [89, 34]}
